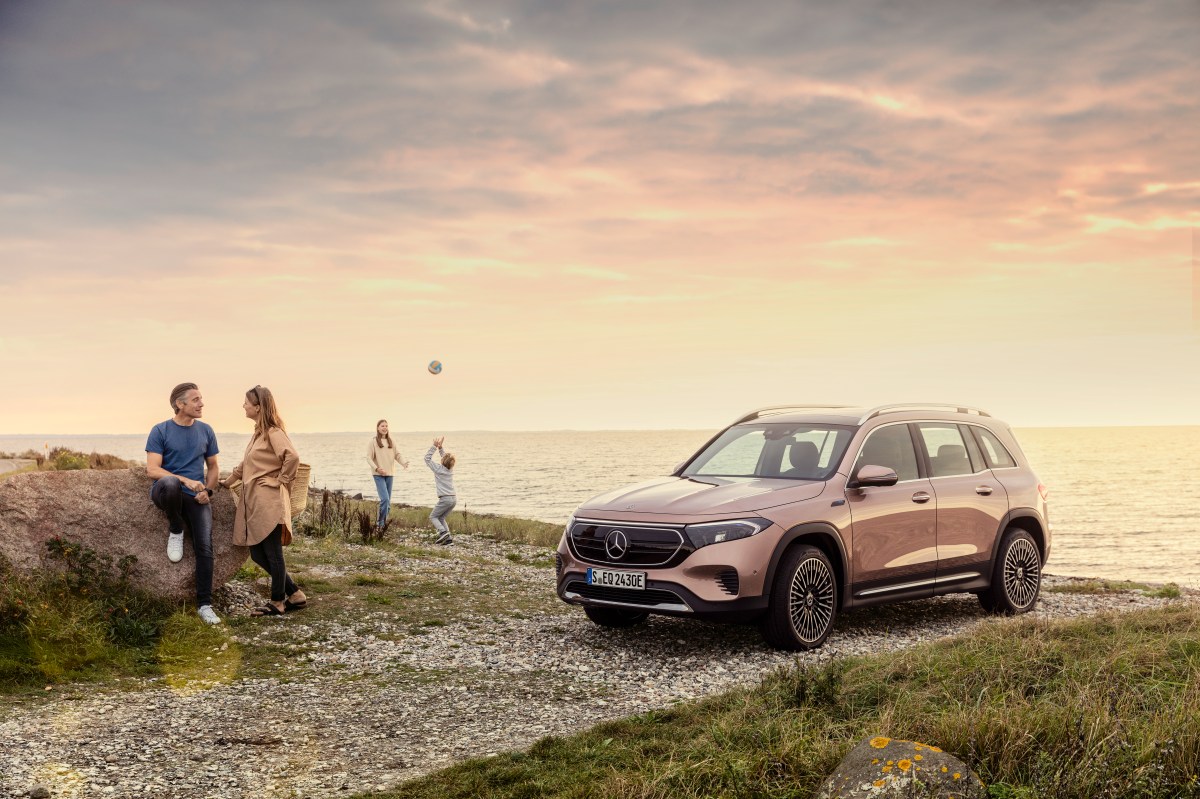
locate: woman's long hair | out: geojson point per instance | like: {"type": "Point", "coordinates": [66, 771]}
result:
{"type": "Point", "coordinates": [379, 438]}
{"type": "Point", "coordinates": [268, 414]}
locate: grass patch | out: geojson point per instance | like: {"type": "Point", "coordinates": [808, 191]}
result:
{"type": "Point", "coordinates": [24, 470]}
{"type": "Point", "coordinates": [78, 621]}
{"type": "Point", "coordinates": [379, 599]}
{"type": "Point", "coordinates": [1166, 591]}
{"type": "Point", "coordinates": [1100, 707]}
{"type": "Point", "coordinates": [248, 572]}
{"type": "Point", "coordinates": [1097, 587]}
{"type": "Point", "coordinates": [335, 515]}
{"type": "Point", "coordinates": [192, 655]}
{"type": "Point", "coordinates": [63, 459]}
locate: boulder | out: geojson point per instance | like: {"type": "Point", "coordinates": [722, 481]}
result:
{"type": "Point", "coordinates": [882, 767]}
{"type": "Point", "coordinates": [109, 512]}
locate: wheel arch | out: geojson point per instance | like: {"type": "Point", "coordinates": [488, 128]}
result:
{"type": "Point", "coordinates": [1028, 520]}
{"type": "Point", "coordinates": [823, 536]}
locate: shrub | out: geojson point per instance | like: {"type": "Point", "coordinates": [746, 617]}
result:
{"type": "Point", "coordinates": [64, 459]}
{"type": "Point", "coordinates": [69, 461]}
{"type": "Point", "coordinates": [80, 615]}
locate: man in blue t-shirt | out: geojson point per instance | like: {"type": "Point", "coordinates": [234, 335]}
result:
{"type": "Point", "coordinates": [181, 459]}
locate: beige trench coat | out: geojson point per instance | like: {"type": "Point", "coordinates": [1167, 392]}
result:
{"type": "Point", "coordinates": [267, 471]}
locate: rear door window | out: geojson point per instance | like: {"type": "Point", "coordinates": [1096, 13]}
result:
{"type": "Point", "coordinates": [946, 449]}
{"type": "Point", "coordinates": [994, 453]}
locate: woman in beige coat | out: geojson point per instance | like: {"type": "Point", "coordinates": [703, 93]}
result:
{"type": "Point", "coordinates": [263, 520]}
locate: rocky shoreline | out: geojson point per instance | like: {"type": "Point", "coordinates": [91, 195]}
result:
{"type": "Point", "coordinates": [366, 704]}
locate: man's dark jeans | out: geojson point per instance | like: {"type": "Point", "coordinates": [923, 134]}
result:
{"type": "Point", "coordinates": [183, 510]}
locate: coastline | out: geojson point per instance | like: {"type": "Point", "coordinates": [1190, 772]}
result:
{"type": "Point", "coordinates": [382, 679]}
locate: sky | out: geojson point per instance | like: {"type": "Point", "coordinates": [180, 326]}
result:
{"type": "Point", "coordinates": [597, 215]}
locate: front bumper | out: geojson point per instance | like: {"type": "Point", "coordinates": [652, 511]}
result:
{"type": "Point", "coordinates": [662, 597]}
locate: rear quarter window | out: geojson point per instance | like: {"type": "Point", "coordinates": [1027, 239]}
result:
{"type": "Point", "coordinates": [994, 453]}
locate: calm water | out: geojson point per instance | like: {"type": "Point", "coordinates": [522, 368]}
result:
{"type": "Point", "coordinates": [1124, 501]}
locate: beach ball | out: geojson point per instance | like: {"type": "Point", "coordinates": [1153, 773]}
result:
{"type": "Point", "coordinates": [435, 367]}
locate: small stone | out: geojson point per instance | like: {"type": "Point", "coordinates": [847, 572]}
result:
{"type": "Point", "coordinates": [39, 792]}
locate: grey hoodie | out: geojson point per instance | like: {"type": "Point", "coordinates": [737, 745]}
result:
{"type": "Point", "coordinates": [442, 476]}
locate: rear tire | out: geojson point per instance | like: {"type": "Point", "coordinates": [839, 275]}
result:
{"type": "Point", "coordinates": [803, 601]}
{"type": "Point", "coordinates": [614, 617]}
{"type": "Point", "coordinates": [1016, 577]}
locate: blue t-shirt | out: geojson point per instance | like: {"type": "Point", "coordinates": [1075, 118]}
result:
{"type": "Point", "coordinates": [183, 449]}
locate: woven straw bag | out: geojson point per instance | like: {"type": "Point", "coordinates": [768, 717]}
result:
{"type": "Point", "coordinates": [299, 489]}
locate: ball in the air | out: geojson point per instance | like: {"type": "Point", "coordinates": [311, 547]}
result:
{"type": "Point", "coordinates": [435, 367]}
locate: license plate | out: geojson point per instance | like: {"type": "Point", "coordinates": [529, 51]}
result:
{"type": "Point", "coordinates": [612, 579]}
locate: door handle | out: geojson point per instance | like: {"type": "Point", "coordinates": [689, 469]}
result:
{"type": "Point", "coordinates": [984, 490]}
{"type": "Point", "coordinates": [921, 496]}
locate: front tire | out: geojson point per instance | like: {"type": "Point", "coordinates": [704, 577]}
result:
{"type": "Point", "coordinates": [614, 617]}
{"type": "Point", "coordinates": [1017, 576]}
{"type": "Point", "coordinates": [803, 601]}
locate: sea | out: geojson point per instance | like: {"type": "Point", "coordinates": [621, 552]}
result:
{"type": "Point", "coordinates": [1124, 501]}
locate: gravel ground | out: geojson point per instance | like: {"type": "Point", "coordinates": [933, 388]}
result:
{"type": "Point", "coordinates": [368, 705]}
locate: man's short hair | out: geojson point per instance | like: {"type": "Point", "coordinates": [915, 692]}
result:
{"type": "Point", "coordinates": [178, 392]}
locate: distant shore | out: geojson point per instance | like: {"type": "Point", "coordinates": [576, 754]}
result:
{"type": "Point", "coordinates": [15, 464]}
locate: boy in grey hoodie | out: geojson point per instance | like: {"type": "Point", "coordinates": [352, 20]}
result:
{"type": "Point", "coordinates": [443, 478]}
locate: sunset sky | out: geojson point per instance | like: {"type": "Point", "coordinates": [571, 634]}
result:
{"type": "Point", "coordinates": [597, 214]}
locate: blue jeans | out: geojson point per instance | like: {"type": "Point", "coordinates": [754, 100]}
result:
{"type": "Point", "coordinates": [383, 487]}
{"type": "Point", "coordinates": [440, 511]}
{"type": "Point", "coordinates": [184, 511]}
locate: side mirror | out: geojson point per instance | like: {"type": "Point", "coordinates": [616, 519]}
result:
{"type": "Point", "coordinates": [870, 475]}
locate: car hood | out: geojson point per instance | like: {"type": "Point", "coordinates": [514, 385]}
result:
{"type": "Point", "coordinates": [708, 495]}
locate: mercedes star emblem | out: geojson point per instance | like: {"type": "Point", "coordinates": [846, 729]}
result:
{"type": "Point", "coordinates": [616, 544]}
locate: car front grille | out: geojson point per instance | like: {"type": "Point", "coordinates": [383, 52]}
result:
{"type": "Point", "coordinates": [620, 544]}
{"type": "Point", "coordinates": [650, 598]}
{"type": "Point", "coordinates": [728, 580]}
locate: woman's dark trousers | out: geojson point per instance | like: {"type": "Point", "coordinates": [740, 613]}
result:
{"type": "Point", "coordinates": [268, 554]}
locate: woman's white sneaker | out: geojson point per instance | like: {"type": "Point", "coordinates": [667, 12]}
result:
{"type": "Point", "coordinates": [174, 546]}
{"type": "Point", "coordinates": [208, 615]}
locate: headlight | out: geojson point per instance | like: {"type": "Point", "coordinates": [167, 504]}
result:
{"type": "Point", "coordinates": [570, 524]}
{"type": "Point", "coordinates": [701, 535]}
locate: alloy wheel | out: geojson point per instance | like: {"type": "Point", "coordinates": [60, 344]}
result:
{"type": "Point", "coordinates": [1022, 572]}
{"type": "Point", "coordinates": [811, 599]}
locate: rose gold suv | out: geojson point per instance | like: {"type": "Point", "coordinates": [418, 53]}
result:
{"type": "Point", "coordinates": [794, 513]}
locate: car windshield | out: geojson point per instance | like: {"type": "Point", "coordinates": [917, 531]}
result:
{"type": "Point", "coordinates": [786, 450]}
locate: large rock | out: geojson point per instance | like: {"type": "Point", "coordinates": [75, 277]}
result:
{"type": "Point", "coordinates": [111, 513]}
{"type": "Point", "coordinates": [881, 768]}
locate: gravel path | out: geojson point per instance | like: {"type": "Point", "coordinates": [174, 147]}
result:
{"type": "Point", "coordinates": [369, 705]}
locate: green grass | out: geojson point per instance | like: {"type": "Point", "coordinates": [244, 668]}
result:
{"type": "Point", "coordinates": [1102, 707]}
{"type": "Point", "coordinates": [1097, 587]}
{"type": "Point", "coordinates": [499, 528]}
{"type": "Point", "coordinates": [402, 582]}
{"type": "Point", "coordinates": [78, 623]}
{"type": "Point", "coordinates": [1166, 591]}
{"type": "Point", "coordinates": [340, 517]}
{"type": "Point", "coordinates": [6, 475]}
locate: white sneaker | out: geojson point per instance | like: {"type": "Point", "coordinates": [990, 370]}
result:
{"type": "Point", "coordinates": [208, 615]}
{"type": "Point", "coordinates": [174, 546]}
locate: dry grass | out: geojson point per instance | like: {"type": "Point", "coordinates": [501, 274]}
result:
{"type": "Point", "coordinates": [1102, 707]}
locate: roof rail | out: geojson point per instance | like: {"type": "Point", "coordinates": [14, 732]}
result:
{"type": "Point", "coordinates": [896, 407]}
{"type": "Point", "coordinates": [773, 409]}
